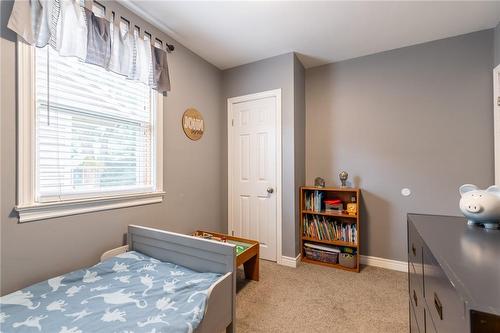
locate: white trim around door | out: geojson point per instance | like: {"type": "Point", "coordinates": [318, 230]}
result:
{"type": "Point", "coordinates": [271, 93]}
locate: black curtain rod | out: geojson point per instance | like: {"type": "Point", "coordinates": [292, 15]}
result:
{"type": "Point", "coordinates": [170, 47]}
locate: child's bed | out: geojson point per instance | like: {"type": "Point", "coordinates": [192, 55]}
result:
{"type": "Point", "coordinates": [160, 282]}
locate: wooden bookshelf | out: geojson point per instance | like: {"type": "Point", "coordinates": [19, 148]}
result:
{"type": "Point", "coordinates": [344, 194]}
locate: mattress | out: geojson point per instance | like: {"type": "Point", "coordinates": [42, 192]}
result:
{"type": "Point", "coordinates": [127, 293]}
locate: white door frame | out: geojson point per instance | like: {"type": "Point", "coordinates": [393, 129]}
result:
{"type": "Point", "coordinates": [496, 122]}
{"type": "Point", "coordinates": [230, 151]}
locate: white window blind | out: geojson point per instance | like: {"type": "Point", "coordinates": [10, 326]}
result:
{"type": "Point", "coordinates": [94, 131]}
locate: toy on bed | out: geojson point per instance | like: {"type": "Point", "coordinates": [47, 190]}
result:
{"type": "Point", "coordinates": [131, 291]}
{"type": "Point", "coordinates": [481, 207]}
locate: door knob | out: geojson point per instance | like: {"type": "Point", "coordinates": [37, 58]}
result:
{"type": "Point", "coordinates": [270, 190]}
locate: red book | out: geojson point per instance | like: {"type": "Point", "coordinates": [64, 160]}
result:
{"type": "Point", "coordinates": [333, 202]}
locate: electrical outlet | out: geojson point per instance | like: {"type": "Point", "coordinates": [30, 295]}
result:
{"type": "Point", "coordinates": [405, 192]}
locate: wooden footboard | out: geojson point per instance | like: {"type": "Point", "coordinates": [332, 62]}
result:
{"type": "Point", "coordinates": [198, 254]}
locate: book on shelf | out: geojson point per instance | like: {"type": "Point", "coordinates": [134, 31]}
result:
{"type": "Point", "coordinates": [326, 248]}
{"type": "Point", "coordinates": [334, 206]}
{"type": "Point", "coordinates": [314, 200]}
{"type": "Point", "coordinates": [325, 228]}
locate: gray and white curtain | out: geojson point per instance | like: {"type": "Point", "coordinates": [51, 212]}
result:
{"type": "Point", "coordinates": [75, 31]}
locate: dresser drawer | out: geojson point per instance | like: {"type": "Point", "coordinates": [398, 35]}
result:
{"type": "Point", "coordinates": [416, 281]}
{"type": "Point", "coordinates": [445, 306]}
{"type": "Point", "coordinates": [413, 322]}
{"type": "Point", "coordinates": [429, 326]}
{"type": "Point", "coordinates": [417, 298]}
{"type": "Point", "coordinates": [415, 246]}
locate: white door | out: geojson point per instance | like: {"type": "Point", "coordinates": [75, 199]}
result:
{"type": "Point", "coordinates": [496, 115]}
{"type": "Point", "coordinates": [253, 169]}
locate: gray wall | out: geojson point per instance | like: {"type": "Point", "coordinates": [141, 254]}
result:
{"type": "Point", "coordinates": [274, 73]}
{"type": "Point", "coordinates": [393, 120]}
{"type": "Point", "coordinates": [417, 117]}
{"type": "Point", "coordinates": [497, 45]}
{"type": "Point", "coordinates": [299, 139]}
{"type": "Point", "coordinates": [32, 252]}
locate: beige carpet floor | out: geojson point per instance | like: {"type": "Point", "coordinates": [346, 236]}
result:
{"type": "Point", "coordinates": [313, 298]}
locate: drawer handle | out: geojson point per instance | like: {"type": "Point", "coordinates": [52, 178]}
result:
{"type": "Point", "coordinates": [413, 249]}
{"type": "Point", "coordinates": [415, 297]}
{"type": "Point", "coordinates": [438, 306]}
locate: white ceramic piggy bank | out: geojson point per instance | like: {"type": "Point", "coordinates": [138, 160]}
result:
{"type": "Point", "coordinates": [481, 206]}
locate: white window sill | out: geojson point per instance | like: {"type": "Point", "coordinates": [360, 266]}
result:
{"type": "Point", "coordinates": [42, 211]}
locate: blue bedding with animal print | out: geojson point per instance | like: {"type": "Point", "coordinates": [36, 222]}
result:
{"type": "Point", "coordinates": [127, 293]}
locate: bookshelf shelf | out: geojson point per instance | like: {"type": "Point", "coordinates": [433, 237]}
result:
{"type": "Point", "coordinates": [329, 222]}
{"type": "Point", "coordinates": [333, 214]}
{"type": "Point", "coordinates": [330, 265]}
{"type": "Point", "coordinates": [331, 242]}
{"type": "Point", "coordinates": [336, 189]}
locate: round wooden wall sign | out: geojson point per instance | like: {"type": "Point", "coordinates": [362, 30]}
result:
{"type": "Point", "coordinates": [193, 124]}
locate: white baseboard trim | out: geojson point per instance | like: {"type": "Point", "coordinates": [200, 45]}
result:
{"type": "Point", "coordinates": [290, 261]}
{"type": "Point", "coordinates": [395, 265]}
{"type": "Point", "coordinates": [401, 266]}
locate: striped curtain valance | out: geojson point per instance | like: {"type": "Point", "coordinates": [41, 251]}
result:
{"type": "Point", "coordinates": [74, 30]}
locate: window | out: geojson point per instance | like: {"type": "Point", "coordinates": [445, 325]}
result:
{"type": "Point", "coordinates": [89, 139]}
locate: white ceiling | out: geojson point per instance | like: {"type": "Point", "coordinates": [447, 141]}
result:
{"type": "Point", "coordinates": [229, 34]}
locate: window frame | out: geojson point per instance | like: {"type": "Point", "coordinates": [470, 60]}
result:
{"type": "Point", "coordinates": [28, 208]}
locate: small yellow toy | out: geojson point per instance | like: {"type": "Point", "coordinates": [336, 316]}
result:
{"type": "Point", "coordinates": [352, 208]}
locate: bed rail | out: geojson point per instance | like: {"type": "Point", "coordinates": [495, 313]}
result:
{"type": "Point", "coordinates": [114, 252]}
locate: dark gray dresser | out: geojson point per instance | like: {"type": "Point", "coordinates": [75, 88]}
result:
{"type": "Point", "coordinates": [453, 276]}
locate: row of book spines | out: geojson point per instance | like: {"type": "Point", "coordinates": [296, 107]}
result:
{"type": "Point", "coordinates": [325, 230]}
{"type": "Point", "coordinates": [329, 230]}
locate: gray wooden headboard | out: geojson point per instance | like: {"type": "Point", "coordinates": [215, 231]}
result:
{"type": "Point", "coordinates": [201, 255]}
